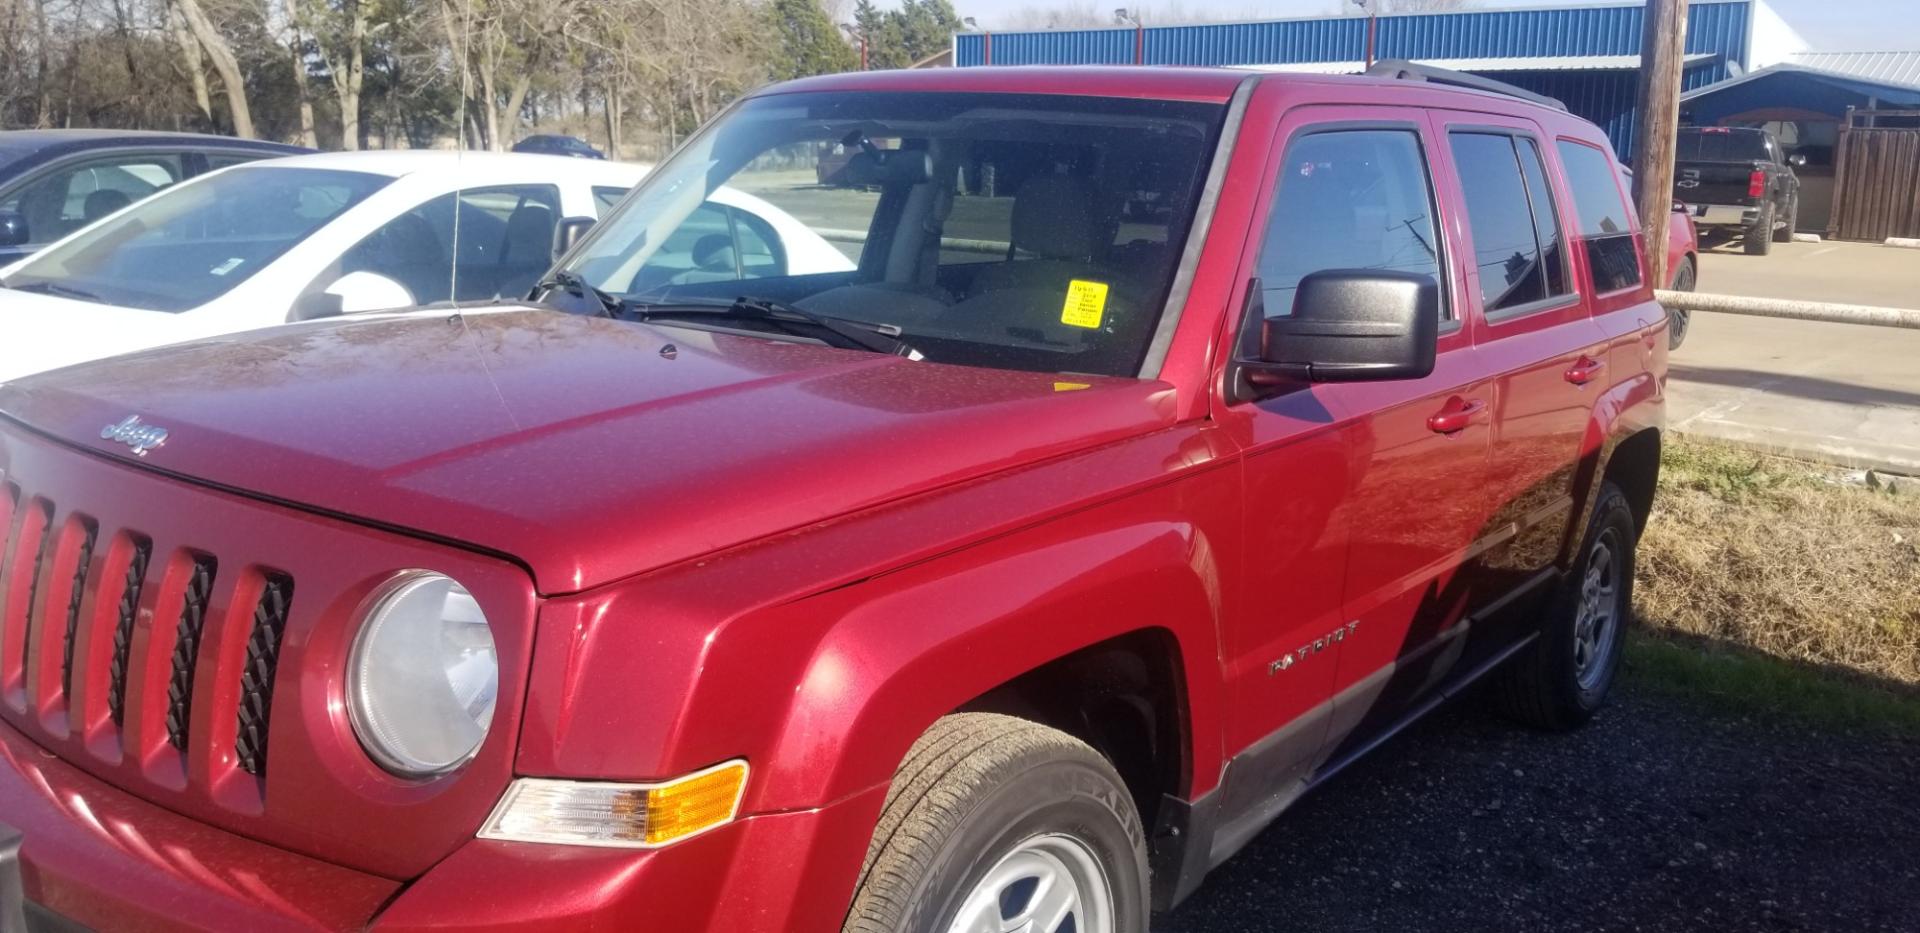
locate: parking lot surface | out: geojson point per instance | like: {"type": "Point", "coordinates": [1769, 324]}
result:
{"type": "Point", "coordinates": [1837, 392]}
{"type": "Point", "coordinates": [1656, 817]}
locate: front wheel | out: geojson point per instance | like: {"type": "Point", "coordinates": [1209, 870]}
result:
{"type": "Point", "coordinates": [1562, 679]}
{"type": "Point", "coordinates": [995, 825]}
{"type": "Point", "coordinates": [1678, 319]}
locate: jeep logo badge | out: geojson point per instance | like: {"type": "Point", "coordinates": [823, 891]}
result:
{"type": "Point", "coordinates": [134, 434]}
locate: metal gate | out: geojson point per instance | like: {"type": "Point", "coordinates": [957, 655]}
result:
{"type": "Point", "coordinates": [1876, 188]}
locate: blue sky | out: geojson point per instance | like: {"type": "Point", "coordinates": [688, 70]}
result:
{"type": "Point", "coordinates": [1849, 25]}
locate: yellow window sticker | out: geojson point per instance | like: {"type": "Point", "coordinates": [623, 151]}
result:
{"type": "Point", "coordinates": [1086, 304]}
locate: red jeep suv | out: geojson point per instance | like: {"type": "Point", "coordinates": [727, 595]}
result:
{"type": "Point", "coordinates": [1133, 450]}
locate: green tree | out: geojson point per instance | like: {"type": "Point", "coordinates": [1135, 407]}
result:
{"type": "Point", "coordinates": [926, 27]}
{"type": "Point", "coordinates": [886, 46]}
{"type": "Point", "coordinates": [809, 43]}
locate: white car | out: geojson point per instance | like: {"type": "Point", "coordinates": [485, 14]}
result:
{"type": "Point", "coordinates": [311, 236]}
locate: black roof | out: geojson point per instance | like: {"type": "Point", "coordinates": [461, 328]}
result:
{"type": "Point", "coordinates": [39, 145]}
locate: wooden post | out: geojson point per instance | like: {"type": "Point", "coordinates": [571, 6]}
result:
{"type": "Point", "coordinates": [1662, 56]}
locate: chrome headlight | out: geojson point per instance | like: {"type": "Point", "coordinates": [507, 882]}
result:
{"type": "Point", "coordinates": [423, 677]}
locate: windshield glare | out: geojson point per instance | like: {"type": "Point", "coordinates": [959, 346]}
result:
{"type": "Point", "coordinates": [1021, 231]}
{"type": "Point", "coordinates": [191, 244]}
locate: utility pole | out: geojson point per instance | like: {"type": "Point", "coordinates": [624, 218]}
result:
{"type": "Point", "coordinates": [1373, 24]}
{"type": "Point", "coordinates": [1662, 55]}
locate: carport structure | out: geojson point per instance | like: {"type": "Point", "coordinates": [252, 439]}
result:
{"type": "Point", "coordinates": [1855, 116]}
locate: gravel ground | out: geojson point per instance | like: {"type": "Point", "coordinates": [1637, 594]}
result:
{"type": "Point", "coordinates": [1658, 816]}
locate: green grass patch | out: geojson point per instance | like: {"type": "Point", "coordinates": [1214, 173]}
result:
{"type": "Point", "coordinates": [1749, 683]}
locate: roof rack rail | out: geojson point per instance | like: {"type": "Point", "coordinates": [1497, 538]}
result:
{"type": "Point", "coordinates": [1403, 70]}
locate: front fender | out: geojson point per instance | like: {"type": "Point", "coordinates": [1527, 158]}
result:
{"type": "Point", "coordinates": [822, 687]}
{"type": "Point", "coordinates": [909, 648]}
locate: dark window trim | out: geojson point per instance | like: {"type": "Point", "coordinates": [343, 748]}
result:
{"type": "Point", "coordinates": [1573, 294]}
{"type": "Point", "coordinates": [1553, 205]}
{"type": "Point", "coordinates": [1180, 287]}
{"type": "Point", "coordinates": [1443, 260]}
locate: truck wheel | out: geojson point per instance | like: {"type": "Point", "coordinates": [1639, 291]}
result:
{"type": "Point", "coordinates": [997, 823]}
{"type": "Point", "coordinates": [1679, 318]}
{"type": "Point", "coordinates": [1561, 680]}
{"type": "Point", "coordinates": [1759, 238]}
{"type": "Point", "coordinates": [1785, 233]}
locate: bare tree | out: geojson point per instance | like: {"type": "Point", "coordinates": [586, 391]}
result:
{"type": "Point", "coordinates": [220, 54]}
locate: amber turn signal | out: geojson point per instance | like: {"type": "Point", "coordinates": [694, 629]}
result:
{"type": "Point", "coordinates": [601, 813]}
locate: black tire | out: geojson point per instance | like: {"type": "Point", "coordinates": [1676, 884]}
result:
{"type": "Point", "coordinates": [976, 788]}
{"type": "Point", "coordinates": [1678, 319]}
{"type": "Point", "coordinates": [1785, 233]}
{"type": "Point", "coordinates": [1544, 685]}
{"type": "Point", "coordinates": [1759, 238]}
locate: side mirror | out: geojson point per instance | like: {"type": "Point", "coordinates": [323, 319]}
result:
{"type": "Point", "coordinates": [13, 229]}
{"type": "Point", "coordinates": [350, 293]}
{"type": "Point", "coordinates": [1797, 160]}
{"type": "Point", "coordinates": [571, 230]}
{"type": "Point", "coordinates": [1348, 325]}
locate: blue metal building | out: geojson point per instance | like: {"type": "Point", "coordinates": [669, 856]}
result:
{"type": "Point", "coordinates": [1586, 55]}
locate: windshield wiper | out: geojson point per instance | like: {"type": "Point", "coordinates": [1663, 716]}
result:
{"type": "Point", "coordinates": [44, 287]}
{"type": "Point", "coordinates": [839, 332]}
{"type": "Point", "coordinates": [573, 284]}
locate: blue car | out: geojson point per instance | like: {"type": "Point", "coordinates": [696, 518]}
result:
{"type": "Point", "coordinates": [53, 182]}
{"type": "Point", "coordinates": [555, 144]}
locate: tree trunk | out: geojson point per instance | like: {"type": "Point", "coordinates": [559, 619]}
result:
{"type": "Point", "coordinates": [224, 65]}
{"type": "Point", "coordinates": [613, 120]}
{"type": "Point", "coordinates": [347, 86]}
{"type": "Point", "coordinates": [44, 118]}
{"type": "Point", "coordinates": [297, 58]}
{"type": "Point", "coordinates": [194, 64]}
{"type": "Point", "coordinates": [510, 115]}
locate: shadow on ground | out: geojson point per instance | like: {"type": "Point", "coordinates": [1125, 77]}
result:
{"type": "Point", "coordinates": [1807, 387]}
{"type": "Point", "coordinates": [1661, 815]}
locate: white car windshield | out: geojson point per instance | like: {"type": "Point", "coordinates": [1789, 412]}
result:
{"type": "Point", "coordinates": [1019, 231]}
{"type": "Point", "coordinates": [193, 243]}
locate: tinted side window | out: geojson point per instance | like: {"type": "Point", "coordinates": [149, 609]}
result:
{"type": "Point", "coordinates": [70, 197]}
{"type": "Point", "coordinates": [1514, 269]}
{"type": "Point", "coordinates": [223, 159]}
{"type": "Point", "coordinates": [1352, 199]}
{"type": "Point", "coordinates": [504, 242]}
{"type": "Point", "coordinates": [1605, 231]}
{"type": "Point", "coordinates": [605, 198]}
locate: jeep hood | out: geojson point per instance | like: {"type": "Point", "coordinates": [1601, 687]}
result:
{"type": "Point", "coordinates": [586, 448]}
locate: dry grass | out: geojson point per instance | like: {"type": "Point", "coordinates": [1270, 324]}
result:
{"type": "Point", "coordinates": [1787, 558]}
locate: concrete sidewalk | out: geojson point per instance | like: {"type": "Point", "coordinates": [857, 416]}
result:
{"type": "Point", "coordinates": [1840, 393]}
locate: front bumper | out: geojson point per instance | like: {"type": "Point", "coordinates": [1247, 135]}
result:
{"type": "Point", "coordinates": [1724, 215]}
{"type": "Point", "coordinates": [87, 855]}
{"type": "Point", "coordinates": [92, 856]}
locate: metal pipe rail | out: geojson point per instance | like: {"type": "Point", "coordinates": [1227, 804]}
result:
{"type": "Point", "coordinates": [1796, 310]}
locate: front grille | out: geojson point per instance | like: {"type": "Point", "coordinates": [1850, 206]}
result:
{"type": "Point", "coordinates": [186, 649]}
{"type": "Point", "coordinates": [256, 679]}
{"type": "Point", "coordinates": [129, 610]}
{"type": "Point", "coordinates": [82, 562]}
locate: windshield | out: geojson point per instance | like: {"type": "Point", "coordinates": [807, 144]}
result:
{"type": "Point", "coordinates": [189, 245]}
{"type": "Point", "coordinates": [1020, 231]}
{"type": "Point", "coordinates": [1719, 144]}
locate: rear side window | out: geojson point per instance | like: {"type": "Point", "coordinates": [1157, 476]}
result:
{"type": "Point", "coordinates": [1351, 199]}
{"type": "Point", "coordinates": [1606, 233]}
{"type": "Point", "coordinates": [1516, 229]}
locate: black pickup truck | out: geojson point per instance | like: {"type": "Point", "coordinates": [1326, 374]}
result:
{"type": "Point", "coordinates": [1737, 180]}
